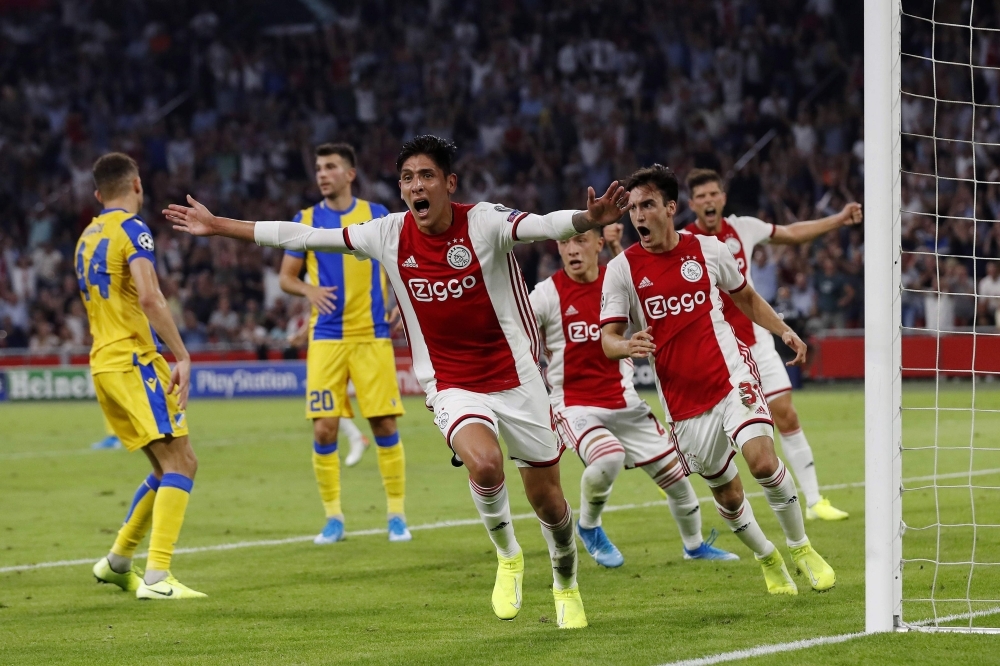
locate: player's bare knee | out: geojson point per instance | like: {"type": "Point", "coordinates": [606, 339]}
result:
{"type": "Point", "coordinates": [764, 463]}
{"type": "Point", "coordinates": [325, 431]}
{"type": "Point", "coordinates": [383, 426]}
{"type": "Point", "coordinates": [786, 419]}
{"type": "Point", "coordinates": [729, 496]}
{"type": "Point", "coordinates": [485, 467]}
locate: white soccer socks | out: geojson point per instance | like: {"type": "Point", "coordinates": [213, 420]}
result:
{"type": "Point", "coordinates": [799, 455]}
{"type": "Point", "coordinates": [606, 461]}
{"type": "Point", "coordinates": [745, 527]}
{"type": "Point", "coordinates": [562, 549]}
{"type": "Point", "coordinates": [779, 489]}
{"type": "Point", "coordinates": [683, 503]}
{"type": "Point", "coordinates": [494, 509]}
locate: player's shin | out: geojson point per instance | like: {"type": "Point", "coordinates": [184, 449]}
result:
{"type": "Point", "coordinates": [168, 517]}
{"type": "Point", "coordinates": [681, 498]}
{"type": "Point", "coordinates": [799, 455]}
{"type": "Point", "coordinates": [779, 489]}
{"type": "Point", "coordinates": [392, 466]}
{"type": "Point", "coordinates": [562, 550]}
{"type": "Point", "coordinates": [494, 509]}
{"type": "Point", "coordinates": [326, 465]}
{"type": "Point", "coordinates": [604, 462]}
{"type": "Point", "coordinates": [743, 524]}
{"type": "Point", "coordinates": [136, 524]}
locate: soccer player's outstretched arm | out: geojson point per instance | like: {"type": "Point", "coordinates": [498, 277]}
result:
{"type": "Point", "coordinates": [803, 232]}
{"type": "Point", "coordinates": [197, 220]}
{"type": "Point", "coordinates": [563, 224]}
{"type": "Point", "coordinates": [154, 305]}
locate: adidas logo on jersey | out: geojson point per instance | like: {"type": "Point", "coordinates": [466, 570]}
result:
{"type": "Point", "coordinates": [646, 282]}
{"type": "Point", "coordinates": [410, 263]}
{"type": "Point", "coordinates": [570, 311]}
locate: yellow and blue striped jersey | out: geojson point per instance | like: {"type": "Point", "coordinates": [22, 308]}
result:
{"type": "Point", "coordinates": [362, 289]}
{"type": "Point", "coordinates": [118, 325]}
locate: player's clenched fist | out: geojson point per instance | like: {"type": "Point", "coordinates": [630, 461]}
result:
{"type": "Point", "coordinates": [640, 345]}
{"type": "Point", "coordinates": [852, 213]}
{"type": "Point", "coordinates": [795, 343]}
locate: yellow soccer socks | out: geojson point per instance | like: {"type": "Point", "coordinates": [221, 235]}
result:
{"type": "Point", "coordinates": [137, 521]}
{"type": "Point", "coordinates": [326, 465]}
{"type": "Point", "coordinates": [392, 466]}
{"type": "Point", "coordinates": [168, 517]}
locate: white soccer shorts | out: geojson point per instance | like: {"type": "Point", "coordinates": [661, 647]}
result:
{"type": "Point", "coordinates": [520, 415]}
{"type": "Point", "coordinates": [709, 442]}
{"type": "Point", "coordinates": [773, 375]}
{"type": "Point", "coordinates": [645, 441]}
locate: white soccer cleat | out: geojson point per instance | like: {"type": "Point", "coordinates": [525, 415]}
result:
{"type": "Point", "coordinates": [358, 446]}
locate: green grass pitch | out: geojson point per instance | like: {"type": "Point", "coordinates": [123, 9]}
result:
{"type": "Point", "coordinates": [427, 601]}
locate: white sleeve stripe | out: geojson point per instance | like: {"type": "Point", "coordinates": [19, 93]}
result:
{"type": "Point", "coordinates": [524, 306]}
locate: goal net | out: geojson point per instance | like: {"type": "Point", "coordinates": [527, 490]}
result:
{"type": "Point", "coordinates": [932, 348]}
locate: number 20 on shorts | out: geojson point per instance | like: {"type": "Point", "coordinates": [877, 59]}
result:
{"type": "Point", "coordinates": [320, 401]}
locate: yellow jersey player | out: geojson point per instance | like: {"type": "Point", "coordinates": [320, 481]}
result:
{"type": "Point", "coordinates": [141, 398]}
{"type": "Point", "coordinates": [348, 340]}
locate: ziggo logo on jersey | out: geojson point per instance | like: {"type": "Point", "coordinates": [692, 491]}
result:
{"type": "Point", "coordinates": [425, 290]}
{"type": "Point", "coordinates": [581, 331]}
{"type": "Point", "coordinates": [658, 307]}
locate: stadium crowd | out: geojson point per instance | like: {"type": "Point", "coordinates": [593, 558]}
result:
{"type": "Point", "coordinates": [543, 98]}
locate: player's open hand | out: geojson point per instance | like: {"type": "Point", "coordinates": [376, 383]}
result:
{"type": "Point", "coordinates": [180, 382]}
{"type": "Point", "coordinates": [852, 214]}
{"type": "Point", "coordinates": [323, 298]}
{"type": "Point", "coordinates": [610, 207]}
{"type": "Point", "coordinates": [795, 343]}
{"type": "Point", "coordinates": [194, 219]}
{"type": "Point", "coordinates": [640, 345]}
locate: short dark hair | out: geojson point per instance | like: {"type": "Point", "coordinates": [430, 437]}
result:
{"type": "Point", "coordinates": [661, 177]}
{"type": "Point", "coordinates": [697, 177]}
{"type": "Point", "coordinates": [345, 150]}
{"type": "Point", "coordinates": [441, 151]}
{"type": "Point", "coordinates": [113, 174]}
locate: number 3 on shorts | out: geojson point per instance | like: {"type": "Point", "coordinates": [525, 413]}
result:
{"type": "Point", "coordinates": [320, 401]}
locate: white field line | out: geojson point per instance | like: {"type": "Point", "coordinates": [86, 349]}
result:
{"type": "Point", "coordinates": [28, 455]}
{"type": "Point", "coordinates": [463, 522]}
{"type": "Point", "coordinates": [764, 650]}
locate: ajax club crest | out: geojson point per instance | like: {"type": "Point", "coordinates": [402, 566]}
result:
{"type": "Point", "coordinates": [459, 256]}
{"type": "Point", "coordinates": [691, 270]}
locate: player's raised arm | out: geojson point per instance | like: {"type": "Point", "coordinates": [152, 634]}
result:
{"type": "Point", "coordinates": [154, 305]}
{"type": "Point", "coordinates": [197, 220]}
{"type": "Point", "coordinates": [563, 224]}
{"type": "Point", "coordinates": [803, 232]}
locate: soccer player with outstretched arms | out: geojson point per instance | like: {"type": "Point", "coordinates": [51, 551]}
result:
{"type": "Point", "coordinates": [596, 410]}
{"type": "Point", "coordinates": [348, 339]}
{"type": "Point", "coordinates": [741, 235]}
{"type": "Point", "coordinates": [667, 288]}
{"type": "Point", "coordinates": [142, 399]}
{"type": "Point", "coordinates": [474, 341]}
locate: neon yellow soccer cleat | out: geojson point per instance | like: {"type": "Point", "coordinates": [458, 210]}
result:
{"type": "Point", "coordinates": [168, 588]}
{"type": "Point", "coordinates": [776, 574]}
{"type": "Point", "coordinates": [823, 510]}
{"type": "Point", "coordinates": [569, 609]}
{"type": "Point", "coordinates": [809, 562]}
{"type": "Point", "coordinates": [507, 589]}
{"type": "Point", "coordinates": [128, 581]}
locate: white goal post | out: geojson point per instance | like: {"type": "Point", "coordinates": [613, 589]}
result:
{"type": "Point", "coordinates": [883, 345]}
{"type": "Point", "coordinates": [932, 532]}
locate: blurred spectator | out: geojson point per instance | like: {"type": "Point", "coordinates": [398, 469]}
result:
{"type": "Point", "coordinates": [833, 293]}
{"type": "Point", "coordinates": [989, 291]}
{"type": "Point", "coordinates": [193, 332]}
{"type": "Point", "coordinates": [765, 274]}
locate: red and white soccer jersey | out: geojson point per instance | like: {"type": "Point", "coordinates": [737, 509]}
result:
{"type": "Point", "coordinates": [589, 390]}
{"type": "Point", "coordinates": [700, 366]}
{"type": "Point", "coordinates": [741, 235]}
{"type": "Point", "coordinates": [467, 318]}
